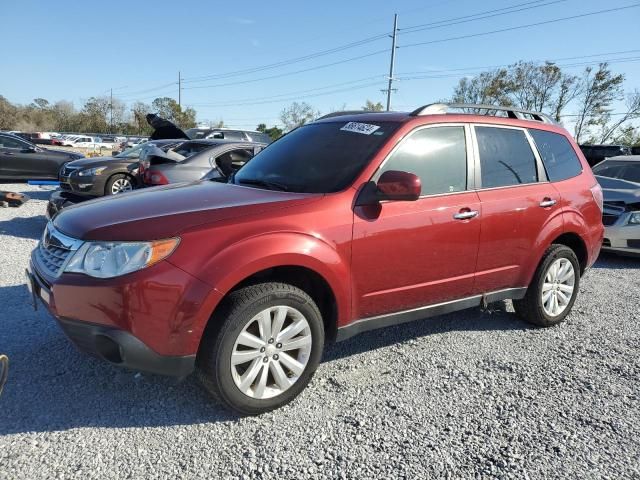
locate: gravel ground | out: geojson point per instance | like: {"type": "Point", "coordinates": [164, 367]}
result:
{"type": "Point", "coordinates": [467, 395]}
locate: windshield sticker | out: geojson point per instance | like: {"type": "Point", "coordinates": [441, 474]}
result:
{"type": "Point", "coordinates": [358, 127]}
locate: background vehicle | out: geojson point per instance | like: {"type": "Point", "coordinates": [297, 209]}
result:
{"type": "Point", "coordinates": [104, 175]}
{"type": "Point", "coordinates": [343, 225]}
{"type": "Point", "coordinates": [619, 178]}
{"type": "Point", "coordinates": [228, 134]}
{"type": "Point", "coordinates": [22, 160]}
{"type": "Point", "coordinates": [202, 158]}
{"type": "Point", "coordinates": [596, 153]}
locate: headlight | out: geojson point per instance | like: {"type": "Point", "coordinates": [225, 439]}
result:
{"type": "Point", "coordinates": [634, 219]}
{"type": "Point", "coordinates": [112, 259]}
{"type": "Point", "coordinates": [91, 172]}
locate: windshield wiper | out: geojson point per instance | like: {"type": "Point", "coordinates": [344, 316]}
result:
{"type": "Point", "coordinates": [264, 183]}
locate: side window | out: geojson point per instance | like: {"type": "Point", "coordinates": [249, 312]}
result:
{"type": "Point", "coordinates": [6, 142]}
{"type": "Point", "coordinates": [231, 161]}
{"type": "Point", "coordinates": [559, 159]}
{"type": "Point", "coordinates": [505, 157]}
{"type": "Point", "coordinates": [437, 155]}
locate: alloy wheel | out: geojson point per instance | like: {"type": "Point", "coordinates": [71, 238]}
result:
{"type": "Point", "coordinates": [271, 352]}
{"type": "Point", "coordinates": [121, 185]}
{"type": "Point", "coordinates": [558, 286]}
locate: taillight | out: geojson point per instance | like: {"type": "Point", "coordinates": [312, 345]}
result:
{"type": "Point", "coordinates": [596, 191]}
{"type": "Point", "coordinates": [154, 177]}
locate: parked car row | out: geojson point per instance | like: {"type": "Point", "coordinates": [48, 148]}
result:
{"type": "Point", "coordinates": [244, 281]}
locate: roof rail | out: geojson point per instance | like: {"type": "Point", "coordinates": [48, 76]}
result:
{"type": "Point", "coordinates": [512, 112]}
{"type": "Point", "coordinates": [345, 112]}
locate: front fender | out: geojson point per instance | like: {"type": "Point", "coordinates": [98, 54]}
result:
{"type": "Point", "coordinates": [238, 261]}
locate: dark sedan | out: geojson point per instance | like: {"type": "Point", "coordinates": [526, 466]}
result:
{"type": "Point", "coordinates": [22, 160]}
{"type": "Point", "coordinates": [95, 177]}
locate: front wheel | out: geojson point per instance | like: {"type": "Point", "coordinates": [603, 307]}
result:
{"type": "Point", "coordinates": [261, 348]}
{"type": "Point", "coordinates": [119, 183]}
{"type": "Point", "coordinates": [553, 290]}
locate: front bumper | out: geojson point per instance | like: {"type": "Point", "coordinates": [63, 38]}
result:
{"type": "Point", "coordinates": [622, 239]}
{"type": "Point", "coordinates": [89, 186]}
{"type": "Point", "coordinates": [151, 320]}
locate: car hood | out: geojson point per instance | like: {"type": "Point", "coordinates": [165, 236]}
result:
{"type": "Point", "coordinates": [63, 153]}
{"type": "Point", "coordinates": [94, 162]}
{"type": "Point", "coordinates": [166, 211]}
{"type": "Point", "coordinates": [618, 190]}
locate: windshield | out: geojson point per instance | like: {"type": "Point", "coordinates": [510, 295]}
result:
{"type": "Point", "coordinates": [316, 158]}
{"type": "Point", "coordinates": [629, 171]}
{"type": "Point", "coordinates": [133, 152]}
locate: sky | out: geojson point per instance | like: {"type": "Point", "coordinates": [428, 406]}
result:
{"type": "Point", "coordinates": [243, 62]}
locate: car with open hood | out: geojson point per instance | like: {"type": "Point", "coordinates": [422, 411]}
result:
{"type": "Point", "coordinates": [194, 160]}
{"type": "Point", "coordinates": [619, 178]}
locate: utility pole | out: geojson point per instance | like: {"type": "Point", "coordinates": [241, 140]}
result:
{"type": "Point", "coordinates": [393, 59]}
{"type": "Point", "coordinates": [179, 89]}
{"type": "Point", "coordinates": [111, 111]}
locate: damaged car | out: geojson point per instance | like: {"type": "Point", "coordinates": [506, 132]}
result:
{"type": "Point", "coordinates": [619, 178]}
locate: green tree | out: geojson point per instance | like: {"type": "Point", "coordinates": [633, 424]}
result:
{"type": "Point", "coordinates": [598, 90]}
{"type": "Point", "coordinates": [373, 107]}
{"type": "Point", "coordinates": [274, 132]}
{"type": "Point", "coordinates": [297, 114]}
{"type": "Point", "coordinates": [169, 109]}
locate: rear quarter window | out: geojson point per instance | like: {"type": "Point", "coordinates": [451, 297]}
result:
{"type": "Point", "coordinates": [558, 156]}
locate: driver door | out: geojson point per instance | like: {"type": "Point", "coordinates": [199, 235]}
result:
{"type": "Point", "coordinates": [17, 159]}
{"type": "Point", "coordinates": [409, 254]}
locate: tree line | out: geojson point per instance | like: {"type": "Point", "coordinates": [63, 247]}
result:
{"type": "Point", "coordinates": [583, 102]}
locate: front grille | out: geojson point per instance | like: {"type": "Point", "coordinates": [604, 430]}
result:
{"type": "Point", "coordinates": [609, 219]}
{"type": "Point", "coordinates": [633, 243]}
{"type": "Point", "coordinates": [53, 251]}
{"type": "Point", "coordinates": [65, 186]}
{"type": "Point", "coordinates": [66, 170]}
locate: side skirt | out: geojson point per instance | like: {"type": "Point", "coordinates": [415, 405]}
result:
{"type": "Point", "coordinates": [389, 319]}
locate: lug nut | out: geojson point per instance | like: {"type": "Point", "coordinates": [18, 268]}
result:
{"type": "Point", "coordinates": [275, 357]}
{"type": "Point", "coordinates": [278, 345]}
{"type": "Point", "coordinates": [271, 340]}
{"type": "Point", "coordinates": [262, 350]}
{"type": "Point", "coordinates": [265, 359]}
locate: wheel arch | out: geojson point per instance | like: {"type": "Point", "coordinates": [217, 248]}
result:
{"type": "Point", "coordinates": [576, 243]}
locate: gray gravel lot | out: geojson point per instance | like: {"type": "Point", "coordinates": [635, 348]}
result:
{"type": "Point", "coordinates": [467, 395]}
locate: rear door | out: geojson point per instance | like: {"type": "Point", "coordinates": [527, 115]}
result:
{"type": "Point", "coordinates": [517, 203]}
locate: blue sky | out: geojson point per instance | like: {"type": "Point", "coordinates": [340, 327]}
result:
{"type": "Point", "coordinates": [74, 50]}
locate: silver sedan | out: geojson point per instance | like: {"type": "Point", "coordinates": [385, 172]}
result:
{"type": "Point", "coordinates": [619, 178]}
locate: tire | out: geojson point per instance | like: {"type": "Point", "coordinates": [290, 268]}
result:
{"type": "Point", "coordinates": [126, 182]}
{"type": "Point", "coordinates": [532, 308]}
{"type": "Point", "coordinates": [267, 358]}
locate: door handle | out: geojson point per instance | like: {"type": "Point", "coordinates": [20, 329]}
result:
{"type": "Point", "coordinates": [547, 202]}
{"type": "Point", "coordinates": [466, 214]}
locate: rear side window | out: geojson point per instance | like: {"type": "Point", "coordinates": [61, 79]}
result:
{"type": "Point", "coordinates": [437, 155]}
{"type": "Point", "coordinates": [505, 157]}
{"type": "Point", "coordinates": [559, 159]}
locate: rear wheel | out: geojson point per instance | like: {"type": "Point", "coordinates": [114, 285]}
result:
{"type": "Point", "coordinates": [119, 183]}
{"type": "Point", "coordinates": [262, 347]}
{"type": "Point", "coordinates": [554, 288]}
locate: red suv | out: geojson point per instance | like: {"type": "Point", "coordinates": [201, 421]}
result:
{"type": "Point", "coordinates": [344, 225]}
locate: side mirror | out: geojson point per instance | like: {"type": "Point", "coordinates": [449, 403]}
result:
{"type": "Point", "coordinates": [396, 185]}
{"type": "Point", "coordinates": [393, 185]}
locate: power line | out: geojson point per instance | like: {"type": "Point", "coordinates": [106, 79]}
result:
{"type": "Point", "coordinates": [289, 73]}
{"type": "Point", "coordinates": [285, 62]}
{"type": "Point", "coordinates": [478, 16]}
{"type": "Point", "coordinates": [518, 27]}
